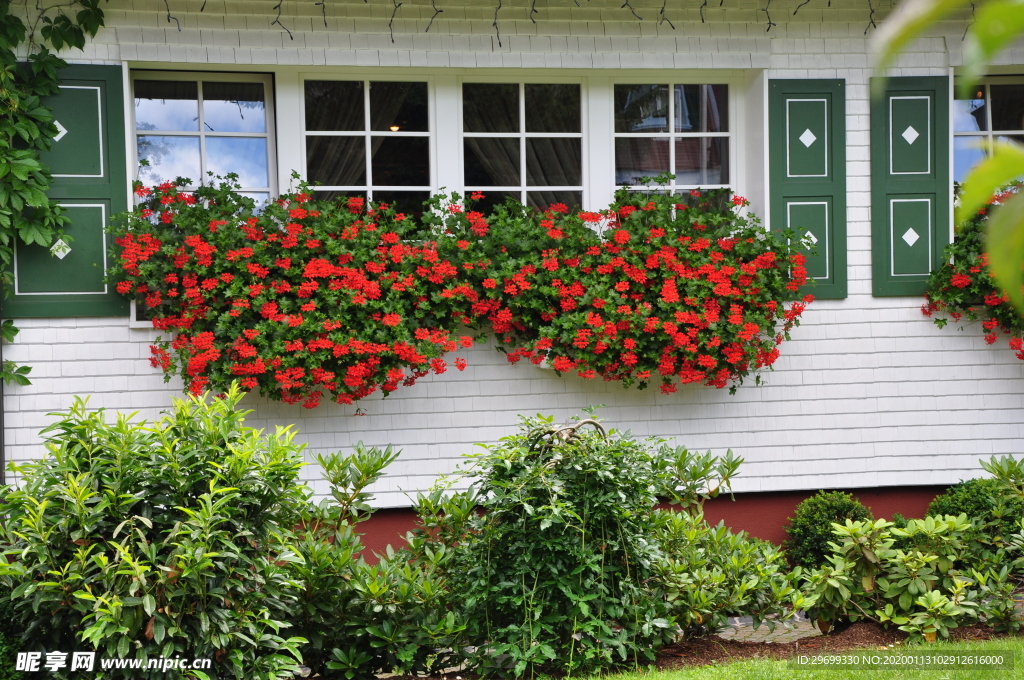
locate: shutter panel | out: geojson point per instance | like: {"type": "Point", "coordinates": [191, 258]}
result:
{"type": "Point", "coordinates": [910, 185]}
{"type": "Point", "coordinates": [87, 160]}
{"type": "Point", "coordinates": [807, 163]}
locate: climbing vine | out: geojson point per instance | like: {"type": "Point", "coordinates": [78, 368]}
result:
{"type": "Point", "coordinates": [29, 71]}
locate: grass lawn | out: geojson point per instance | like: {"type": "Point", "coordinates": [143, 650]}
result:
{"type": "Point", "coordinates": [776, 670]}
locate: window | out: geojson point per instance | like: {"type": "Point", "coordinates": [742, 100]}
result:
{"type": "Point", "coordinates": [678, 129]}
{"type": "Point", "coordinates": [369, 138]}
{"type": "Point", "coordinates": [993, 111]}
{"type": "Point", "coordinates": [202, 125]}
{"type": "Point", "coordinates": [523, 140]}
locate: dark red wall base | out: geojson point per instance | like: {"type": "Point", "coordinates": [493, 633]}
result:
{"type": "Point", "coordinates": [760, 514]}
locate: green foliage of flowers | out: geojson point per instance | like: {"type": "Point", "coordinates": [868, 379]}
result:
{"type": "Point", "coordinates": [964, 290]}
{"type": "Point", "coordinates": [309, 298]}
{"type": "Point", "coordinates": [569, 569]}
{"type": "Point", "coordinates": [810, 528]}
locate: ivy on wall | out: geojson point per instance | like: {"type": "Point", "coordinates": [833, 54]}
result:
{"type": "Point", "coordinates": [29, 71]}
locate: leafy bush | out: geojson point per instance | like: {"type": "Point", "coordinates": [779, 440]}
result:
{"type": "Point", "coordinates": [10, 638]}
{"type": "Point", "coordinates": [920, 590]}
{"type": "Point", "coordinates": [361, 620]}
{"type": "Point", "coordinates": [810, 527]}
{"type": "Point", "coordinates": [170, 539]}
{"type": "Point", "coordinates": [995, 511]}
{"type": "Point", "coordinates": [312, 298]}
{"type": "Point", "coordinates": [710, 573]}
{"type": "Point", "coordinates": [570, 569]}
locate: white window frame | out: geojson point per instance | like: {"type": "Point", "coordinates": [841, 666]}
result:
{"type": "Point", "coordinates": [987, 137]}
{"type": "Point", "coordinates": [706, 77]}
{"type": "Point", "coordinates": [198, 77]}
{"type": "Point", "coordinates": [522, 81]}
{"type": "Point", "coordinates": [367, 133]}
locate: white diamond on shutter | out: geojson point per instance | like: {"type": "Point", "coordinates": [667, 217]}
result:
{"type": "Point", "coordinates": [810, 237]}
{"type": "Point", "coordinates": [911, 237]}
{"type": "Point", "coordinates": [61, 131]}
{"type": "Point", "coordinates": [910, 134]}
{"type": "Point", "coordinates": [60, 249]}
{"type": "Point", "coordinates": [808, 137]}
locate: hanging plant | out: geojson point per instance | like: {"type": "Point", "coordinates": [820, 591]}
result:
{"type": "Point", "coordinates": [307, 299]}
{"type": "Point", "coordinates": [963, 291]}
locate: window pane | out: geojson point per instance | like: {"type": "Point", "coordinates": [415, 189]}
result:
{"type": "Point", "coordinates": [639, 157]}
{"type": "Point", "coordinates": [967, 152]}
{"type": "Point", "coordinates": [408, 202]}
{"type": "Point", "coordinates": [334, 105]}
{"type": "Point", "coordinates": [336, 161]}
{"type": "Point", "coordinates": [1007, 107]}
{"type": "Point", "coordinates": [234, 107]}
{"type": "Point", "coordinates": [488, 107]}
{"type": "Point", "coordinates": [553, 162]}
{"type": "Point", "coordinates": [970, 115]}
{"type": "Point", "coordinates": [491, 161]}
{"type": "Point", "coordinates": [166, 105]}
{"type": "Point", "coordinates": [169, 158]}
{"type": "Point", "coordinates": [716, 108]}
{"type": "Point", "coordinates": [398, 105]}
{"type": "Point", "coordinates": [688, 108]}
{"type": "Point", "coordinates": [702, 160]}
{"type": "Point", "coordinates": [400, 161]}
{"type": "Point", "coordinates": [641, 108]}
{"type": "Point", "coordinates": [553, 108]}
{"type": "Point", "coordinates": [542, 200]}
{"type": "Point", "coordinates": [244, 156]}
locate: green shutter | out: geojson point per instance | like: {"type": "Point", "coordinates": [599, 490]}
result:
{"type": "Point", "coordinates": [807, 170]}
{"type": "Point", "coordinates": [909, 184]}
{"type": "Point", "coordinates": [87, 161]}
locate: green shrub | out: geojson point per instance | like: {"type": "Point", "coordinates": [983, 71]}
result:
{"type": "Point", "coordinates": [569, 569]}
{"type": "Point", "coordinates": [168, 539]}
{"type": "Point", "coordinates": [361, 620]}
{"type": "Point", "coordinates": [810, 527]}
{"type": "Point", "coordinates": [996, 512]}
{"type": "Point", "coordinates": [10, 638]}
{"type": "Point", "coordinates": [922, 590]}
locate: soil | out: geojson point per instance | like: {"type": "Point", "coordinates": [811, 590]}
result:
{"type": "Point", "coordinates": [715, 650]}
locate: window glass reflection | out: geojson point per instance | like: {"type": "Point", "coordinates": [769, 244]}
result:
{"type": "Point", "coordinates": [399, 107]}
{"type": "Point", "coordinates": [336, 161]}
{"type": "Point", "coordinates": [967, 152]}
{"type": "Point", "coordinates": [169, 158]}
{"type": "Point", "coordinates": [244, 156]}
{"type": "Point", "coordinates": [234, 107]}
{"type": "Point", "coordinates": [552, 108]}
{"type": "Point", "coordinates": [637, 157]}
{"type": "Point", "coordinates": [554, 161]}
{"type": "Point", "coordinates": [489, 107]}
{"type": "Point", "coordinates": [491, 161]}
{"type": "Point", "coordinates": [334, 105]}
{"type": "Point", "coordinates": [169, 105]}
{"type": "Point", "coordinates": [400, 161]}
{"type": "Point", "coordinates": [641, 108]}
{"type": "Point", "coordinates": [1007, 107]}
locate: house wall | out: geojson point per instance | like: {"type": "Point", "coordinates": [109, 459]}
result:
{"type": "Point", "coordinates": [867, 394]}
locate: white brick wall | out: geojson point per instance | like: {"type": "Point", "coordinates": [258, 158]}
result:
{"type": "Point", "coordinates": [868, 393]}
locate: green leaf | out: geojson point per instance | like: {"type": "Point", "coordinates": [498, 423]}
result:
{"type": "Point", "coordinates": [903, 26]}
{"type": "Point", "coordinates": [997, 23]}
{"type": "Point", "coordinates": [1004, 242]}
